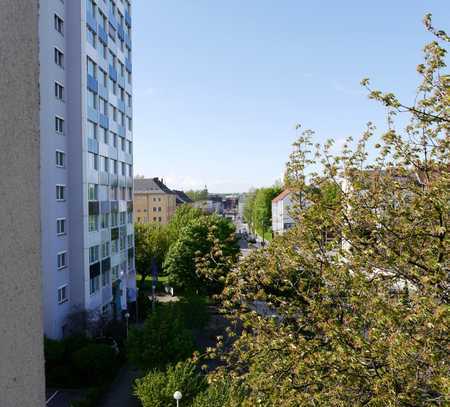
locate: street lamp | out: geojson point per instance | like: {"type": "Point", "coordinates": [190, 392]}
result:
{"type": "Point", "coordinates": [177, 396]}
{"type": "Point", "coordinates": [127, 315]}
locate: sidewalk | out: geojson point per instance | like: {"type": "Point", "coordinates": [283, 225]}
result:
{"type": "Point", "coordinates": [120, 393]}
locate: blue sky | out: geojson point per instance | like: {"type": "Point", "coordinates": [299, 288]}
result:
{"type": "Point", "coordinates": [219, 85]}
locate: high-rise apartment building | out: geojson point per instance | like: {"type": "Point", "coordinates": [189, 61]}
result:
{"type": "Point", "coordinates": [86, 159]}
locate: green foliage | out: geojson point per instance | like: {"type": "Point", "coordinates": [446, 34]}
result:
{"type": "Point", "coordinates": [203, 255]}
{"type": "Point", "coordinates": [358, 290]}
{"type": "Point", "coordinates": [184, 216]}
{"type": "Point", "coordinates": [221, 393]}
{"type": "Point", "coordinates": [258, 208]}
{"type": "Point", "coordinates": [96, 362]}
{"type": "Point", "coordinates": [156, 389]}
{"type": "Point", "coordinates": [163, 339]}
{"type": "Point", "coordinates": [77, 361]}
{"type": "Point", "coordinates": [198, 195]}
{"type": "Point", "coordinates": [151, 241]}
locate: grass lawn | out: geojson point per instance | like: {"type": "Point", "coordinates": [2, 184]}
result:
{"type": "Point", "coordinates": [162, 280]}
{"type": "Point", "coordinates": [267, 235]}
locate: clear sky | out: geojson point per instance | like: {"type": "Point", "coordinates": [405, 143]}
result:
{"type": "Point", "coordinates": [219, 85]}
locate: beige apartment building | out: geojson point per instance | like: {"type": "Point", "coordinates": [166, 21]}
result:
{"type": "Point", "coordinates": [153, 201]}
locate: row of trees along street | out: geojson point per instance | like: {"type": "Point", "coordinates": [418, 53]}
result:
{"type": "Point", "coordinates": [356, 294]}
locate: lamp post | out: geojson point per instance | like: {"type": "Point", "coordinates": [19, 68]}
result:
{"type": "Point", "coordinates": [127, 315]}
{"type": "Point", "coordinates": [177, 396]}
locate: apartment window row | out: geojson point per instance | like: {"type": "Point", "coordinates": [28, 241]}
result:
{"type": "Point", "coordinates": [59, 91]}
{"type": "Point", "coordinates": [60, 159]}
{"type": "Point", "coordinates": [59, 24]}
{"type": "Point", "coordinates": [61, 226]}
{"type": "Point", "coordinates": [63, 294]}
{"type": "Point", "coordinates": [109, 165]}
{"type": "Point", "coordinates": [61, 260]}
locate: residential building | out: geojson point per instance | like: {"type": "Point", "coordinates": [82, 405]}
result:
{"type": "Point", "coordinates": [281, 218]}
{"type": "Point", "coordinates": [214, 204]}
{"type": "Point", "coordinates": [182, 198]}
{"type": "Point", "coordinates": [22, 381]}
{"type": "Point", "coordinates": [153, 201]}
{"type": "Point", "coordinates": [86, 159]}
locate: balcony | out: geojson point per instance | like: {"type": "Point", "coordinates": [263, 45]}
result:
{"type": "Point", "coordinates": [102, 35]}
{"type": "Point", "coordinates": [112, 19]}
{"type": "Point", "coordinates": [128, 65]}
{"type": "Point", "coordinates": [104, 121]}
{"type": "Point", "coordinates": [91, 22]}
{"type": "Point", "coordinates": [92, 84]}
{"type": "Point", "coordinates": [121, 105]}
{"type": "Point", "coordinates": [92, 146]}
{"type": "Point", "coordinates": [120, 32]}
{"type": "Point", "coordinates": [113, 73]}
{"type": "Point", "coordinates": [127, 18]}
{"type": "Point", "coordinates": [128, 40]}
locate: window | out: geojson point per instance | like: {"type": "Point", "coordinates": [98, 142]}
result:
{"type": "Point", "coordinates": [122, 73]}
{"type": "Point", "coordinates": [92, 130]}
{"type": "Point", "coordinates": [91, 68]}
{"type": "Point", "coordinates": [114, 112]}
{"type": "Point", "coordinates": [59, 24]}
{"type": "Point", "coordinates": [92, 99]}
{"type": "Point", "coordinates": [123, 193]}
{"type": "Point", "coordinates": [91, 37]}
{"type": "Point", "coordinates": [122, 143]}
{"type": "Point", "coordinates": [123, 218]}
{"type": "Point", "coordinates": [113, 86]}
{"type": "Point", "coordinates": [130, 123]}
{"type": "Point", "coordinates": [103, 106]}
{"type": "Point", "coordinates": [59, 58]}
{"type": "Point", "coordinates": [105, 164]}
{"type": "Point", "coordinates": [105, 220]}
{"type": "Point", "coordinates": [59, 125]}
{"type": "Point", "coordinates": [129, 147]}
{"type": "Point", "coordinates": [61, 260]}
{"type": "Point", "coordinates": [130, 170]}
{"type": "Point", "coordinates": [105, 278]}
{"type": "Point", "coordinates": [92, 192]}
{"type": "Point", "coordinates": [61, 226]}
{"type": "Point", "coordinates": [129, 78]}
{"type": "Point", "coordinates": [130, 194]}
{"type": "Point", "coordinates": [93, 254]}
{"type": "Point", "coordinates": [59, 91]}
{"type": "Point", "coordinates": [114, 247]}
{"type": "Point", "coordinates": [130, 241]}
{"type": "Point", "coordinates": [90, 6]}
{"type": "Point", "coordinates": [122, 243]}
{"type": "Point", "coordinates": [113, 194]}
{"type": "Point", "coordinates": [60, 192]}
{"type": "Point", "coordinates": [129, 99]}
{"type": "Point", "coordinates": [60, 159]}
{"type": "Point", "coordinates": [103, 78]}
{"type": "Point", "coordinates": [93, 161]}
{"type": "Point", "coordinates": [104, 135]}
{"type": "Point", "coordinates": [159, 209]}
{"type": "Point", "coordinates": [114, 138]}
{"type": "Point", "coordinates": [105, 250]}
{"type": "Point", "coordinates": [159, 219]}
{"type": "Point", "coordinates": [112, 59]}
{"type": "Point", "coordinates": [63, 294]}
{"type": "Point", "coordinates": [115, 272]}
{"type": "Point", "coordinates": [130, 217]}
{"type": "Point", "coordinates": [94, 284]}
{"type": "Point", "coordinates": [93, 223]}
{"type": "Point", "coordinates": [114, 217]}
{"type": "Point", "coordinates": [123, 168]}
{"type": "Point", "coordinates": [122, 119]}
{"type": "Point", "coordinates": [102, 19]}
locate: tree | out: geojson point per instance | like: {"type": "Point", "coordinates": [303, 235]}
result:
{"type": "Point", "coordinates": [198, 195]}
{"type": "Point", "coordinates": [262, 208]}
{"type": "Point", "coordinates": [358, 316]}
{"type": "Point", "coordinates": [249, 208]}
{"type": "Point", "coordinates": [151, 241]}
{"type": "Point", "coordinates": [182, 217]}
{"type": "Point", "coordinates": [209, 239]}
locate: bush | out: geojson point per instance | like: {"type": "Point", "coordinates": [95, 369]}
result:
{"type": "Point", "coordinates": [219, 394]}
{"type": "Point", "coordinates": [96, 363]}
{"type": "Point", "coordinates": [194, 311]}
{"type": "Point", "coordinates": [156, 388]}
{"type": "Point", "coordinates": [163, 339]}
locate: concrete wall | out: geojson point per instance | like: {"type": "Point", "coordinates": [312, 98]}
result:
{"type": "Point", "coordinates": [21, 336]}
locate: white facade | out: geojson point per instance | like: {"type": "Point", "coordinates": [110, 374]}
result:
{"type": "Point", "coordinates": [86, 159]}
{"type": "Point", "coordinates": [281, 218]}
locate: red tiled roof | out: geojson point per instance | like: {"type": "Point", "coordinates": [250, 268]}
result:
{"type": "Point", "coordinates": [281, 196]}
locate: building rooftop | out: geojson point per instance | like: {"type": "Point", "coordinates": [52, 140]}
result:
{"type": "Point", "coordinates": [281, 196]}
{"type": "Point", "coordinates": [151, 186]}
{"type": "Point", "coordinates": [182, 197]}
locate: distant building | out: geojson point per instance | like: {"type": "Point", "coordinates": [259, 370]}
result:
{"type": "Point", "coordinates": [281, 218]}
{"type": "Point", "coordinates": [214, 204]}
{"type": "Point", "coordinates": [182, 198]}
{"type": "Point", "coordinates": [153, 201]}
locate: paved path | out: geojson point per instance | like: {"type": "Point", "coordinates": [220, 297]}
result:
{"type": "Point", "coordinates": [120, 393]}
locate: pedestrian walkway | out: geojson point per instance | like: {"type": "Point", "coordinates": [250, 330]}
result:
{"type": "Point", "coordinates": [120, 393]}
